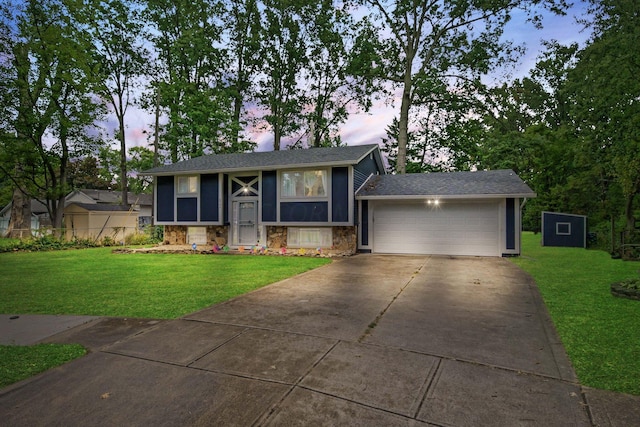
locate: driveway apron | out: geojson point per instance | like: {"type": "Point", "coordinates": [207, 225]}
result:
{"type": "Point", "coordinates": [368, 340]}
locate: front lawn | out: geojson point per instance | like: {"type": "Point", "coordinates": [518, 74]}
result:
{"type": "Point", "coordinates": [100, 283]}
{"type": "Point", "coordinates": [600, 332]}
{"type": "Point", "coordinates": [163, 286]}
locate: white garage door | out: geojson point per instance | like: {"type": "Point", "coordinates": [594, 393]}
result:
{"type": "Point", "coordinates": [450, 228]}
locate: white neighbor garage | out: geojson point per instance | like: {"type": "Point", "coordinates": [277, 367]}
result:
{"type": "Point", "coordinates": [457, 213]}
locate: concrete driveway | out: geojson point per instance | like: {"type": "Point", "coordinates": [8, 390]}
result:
{"type": "Point", "coordinates": [368, 340]}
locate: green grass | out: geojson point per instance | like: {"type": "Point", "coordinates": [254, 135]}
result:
{"type": "Point", "coordinates": [98, 282]}
{"type": "Point", "coordinates": [18, 363]}
{"type": "Point", "coordinates": [600, 332]}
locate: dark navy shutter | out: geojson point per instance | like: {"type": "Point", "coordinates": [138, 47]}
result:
{"type": "Point", "coordinates": [165, 199]}
{"type": "Point", "coordinates": [209, 209]}
{"type": "Point", "coordinates": [511, 224]}
{"type": "Point", "coordinates": [269, 196]}
{"type": "Point", "coordinates": [340, 194]}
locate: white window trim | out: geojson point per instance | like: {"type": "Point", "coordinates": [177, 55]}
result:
{"type": "Point", "coordinates": [563, 233]}
{"type": "Point", "coordinates": [325, 235]}
{"type": "Point", "coordinates": [195, 193]}
{"type": "Point", "coordinates": [327, 190]}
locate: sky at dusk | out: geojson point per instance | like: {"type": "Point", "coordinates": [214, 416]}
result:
{"type": "Point", "coordinates": [368, 128]}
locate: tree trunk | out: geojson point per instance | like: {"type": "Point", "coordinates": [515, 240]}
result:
{"type": "Point", "coordinates": [403, 127]}
{"type": "Point", "coordinates": [276, 136]}
{"type": "Point", "coordinates": [156, 133]}
{"type": "Point", "coordinates": [123, 163]}
{"type": "Point", "coordinates": [628, 214]}
{"type": "Point", "coordinates": [58, 215]}
{"type": "Point", "coordinates": [405, 105]}
{"type": "Point", "coordinates": [20, 222]}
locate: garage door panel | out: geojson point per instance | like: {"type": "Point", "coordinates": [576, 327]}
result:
{"type": "Point", "coordinates": [449, 229]}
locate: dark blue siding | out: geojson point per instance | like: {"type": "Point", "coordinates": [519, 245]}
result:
{"type": "Point", "coordinates": [269, 196]}
{"type": "Point", "coordinates": [563, 230]}
{"type": "Point", "coordinates": [187, 209]}
{"type": "Point", "coordinates": [364, 225]}
{"type": "Point", "coordinates": [209, 209]}
{"type": "Point", "coordinates": [340, 194]}
{"type": "Point", "coordinates": [362, 170]}
{"type": "Point", "coordinates": [304, 212]}
{"type": "Point", "coordinates": [165, 199]}
{"type": "Point", "coordinates": [225, 199]}
{"type": "Point", "coordinates": [511, 224]}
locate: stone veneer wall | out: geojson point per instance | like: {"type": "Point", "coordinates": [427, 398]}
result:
{"type": "Point", "coordinates": [177, 234]}
{"type": "Point", "coordinates": [276, 237]}
{"type": "Point", "coordinates": [345, 239]}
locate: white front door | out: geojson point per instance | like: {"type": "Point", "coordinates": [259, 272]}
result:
{"type": "Point", "coordinates": [244, 223]}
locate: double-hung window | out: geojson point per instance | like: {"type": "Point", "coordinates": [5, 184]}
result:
{"type": "Point", "coordinates": [187, 185]}
{"type": "Point", "coordinates": [304, 184]}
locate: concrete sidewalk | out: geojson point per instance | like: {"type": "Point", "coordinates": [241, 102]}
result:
{"type": "Point", "coordinates": [368, 340]}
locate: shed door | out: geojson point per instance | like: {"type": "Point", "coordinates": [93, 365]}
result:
{"type": "Point", "coordinates": [450, 228]}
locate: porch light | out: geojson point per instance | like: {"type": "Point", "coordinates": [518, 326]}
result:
{"type": "Point", "coordinates": [245, 189]}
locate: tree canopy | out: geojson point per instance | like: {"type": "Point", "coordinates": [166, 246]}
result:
{"type": "Point", "coordinates": [211, 70]}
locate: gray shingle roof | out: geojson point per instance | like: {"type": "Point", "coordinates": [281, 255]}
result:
{"type": "Point", "coordinates": [101, 207]}
{"type": "Point", "coordinates": [267, 160]}
{"type": "Point", "coordinates": [114, 197]}
{"type": "Point", "coordinates": [446, 184]}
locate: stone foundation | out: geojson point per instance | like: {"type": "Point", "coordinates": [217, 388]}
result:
{"type": "Point", "coordinates": [345, 239]}
{"type": "Point", "coordinates": [217, 234]}
{"type": "Point", "coordinates": [175, 235]}
{"type": "Point", "coordinates": [276, 237]}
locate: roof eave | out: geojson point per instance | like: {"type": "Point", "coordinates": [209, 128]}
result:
{"type": "Point", "coordinates": [445, 196]}
{"type": "Point", "coordinates": [252, 168]}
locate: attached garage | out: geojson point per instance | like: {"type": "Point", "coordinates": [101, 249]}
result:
{"type": "Point", "coordinates": [448, 228]}
{"type": "Point", "coordinates": [457, 213]}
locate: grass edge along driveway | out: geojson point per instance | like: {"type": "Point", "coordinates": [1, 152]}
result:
{"type": "Point", "coordinates": [600, 332]}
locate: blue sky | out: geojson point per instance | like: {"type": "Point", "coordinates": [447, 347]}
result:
{"type": "Point", "coordinates": [370, 128]}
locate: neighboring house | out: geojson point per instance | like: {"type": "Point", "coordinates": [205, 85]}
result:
{"type": "Point", "coordinates": [96, 221]}
{"type": "Point", "coordinates": [336, 198]}
{"type": "Point", "coordinates": [140, 204]}
{"type": "Point", "coordinates": [39, 218]}
{"type": "Point", "coordinates": [92, 214]}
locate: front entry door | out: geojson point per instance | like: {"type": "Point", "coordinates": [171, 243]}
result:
{"type": "Point", "coordinates": [244, 216]}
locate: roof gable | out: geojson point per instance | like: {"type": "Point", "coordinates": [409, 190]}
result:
{"type": "Point", "coordinates": [496, 183]}
{"type": "Point", "coordinates": [267, 160]}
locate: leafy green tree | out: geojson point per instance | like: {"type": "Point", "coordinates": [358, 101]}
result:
{"type": "Point", "coordinates": [284, 52]}
{"type": "Point", "coordinates": [242, 23]}
{"type": "Point", "coordinates": [140, 159]}
{"type": "Point", "coordinates": [191, 77]}
{"type": "Point", "coordinates": [116, 31]}
{"type": "Point", "coordinates": [84, 172]}
{"type": "Point", "coordinates": [52, 77]}
{"type": "Point", "coordinates": [605, 91]}
{"type": "Point", "coordinates": [425, 45]}
{"type": "Point", "coordinates": [333, 88]}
